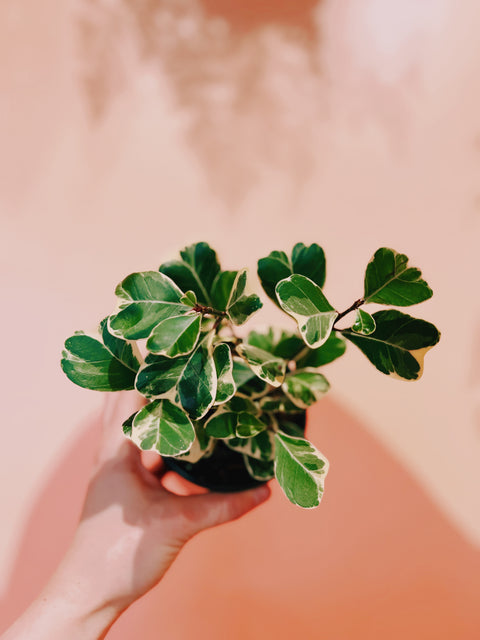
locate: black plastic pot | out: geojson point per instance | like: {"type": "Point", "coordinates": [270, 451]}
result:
{"type": "Point", "coordinates": [224, 471]}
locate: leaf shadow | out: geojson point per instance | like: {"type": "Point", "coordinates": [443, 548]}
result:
{"type": "Point", "coordinates": [243, 77]}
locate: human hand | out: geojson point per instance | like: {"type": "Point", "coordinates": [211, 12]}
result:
{"type": "Point", "coordinates": [130, 531]}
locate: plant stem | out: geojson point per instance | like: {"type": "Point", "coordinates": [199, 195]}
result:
{"type": "Point", "coordinates": [209, 310]}
{"type": "Point", "coordinates": [358, 303]}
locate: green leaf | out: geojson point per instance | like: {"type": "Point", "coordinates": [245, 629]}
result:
{"type": "Point", "coordinates": [300, 470]}
{"type": "Point", "coordinates": [202, 446]}
{"type": "Point", "coordinates": [189, 298]}
{"type": "Point", "coordinates": [163, 427]}
{"type": "Point", "coordinates": [261, 470]}
{"type": "Point", "coordinates": [222, 289]}
{"type": "Point", "coordinates": [398, 345]}
{"type": "Point", "coordinates": [283, 344]}
{"type": "Point", "coordinates": [197, 385]}
{"type": "Point", "coordinates": [92, 365]}
{"type": "Point", "coordinates": [259, 447]}
{"type": "Point", "coordinates": [120, 349]}
{"type": "Point", "coordinates": [239, 306]}
{"type": "Point", "coordinates": [304, 301]}
{"type": "Point", "coordinates": [389, 280]}
{"type": "Point", "coordinates": [195, 271]}
{"type": "Point", "coordinates": [278, 404]}
{"type": "Point", "coordinates": [265, 365]}
{"type": "Point", "coordinates": [226, 388]}
{"type": "Point", "coordinates": [159, 375]}
{"type": "Point", "coordinates": [307, 261]}
{"type": "Point", "coordinates": [145, 299]}
{"type": "Point", "coordinates": [364, 323]}
{"type": "Point", "coordinates": [175, 336]}
{"type": "Point", "coordinates": [128, 424]}
{"type": "Point", "coordinates": [236, 418]}
{"type": "Point", "coordinates": [304, 387]}
{"type": "Point", "coordinates": [241, 372]}
{"type": "Point", "coordinates": [332, 349]}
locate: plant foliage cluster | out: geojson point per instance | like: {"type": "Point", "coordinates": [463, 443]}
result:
{"type": "Point", "coordinates": [203, 383]}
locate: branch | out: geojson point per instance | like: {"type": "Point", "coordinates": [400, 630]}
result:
{"type": "Point", "coordinates": [358, 303]}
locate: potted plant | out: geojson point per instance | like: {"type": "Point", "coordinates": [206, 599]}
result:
{"type": "Point", "coordinates": [228, 412]}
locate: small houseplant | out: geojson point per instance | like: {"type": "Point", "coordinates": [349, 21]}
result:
{"type": "Point", "coordinates": [229, 412]}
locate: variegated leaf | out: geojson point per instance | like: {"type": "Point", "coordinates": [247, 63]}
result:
{"type": "Point", "coordinates": [197, 384]}
{"type": "Point", "coordinates": [304, 301]}
{"type": "Point", "coordinates": [260, 447]}
{"type": "Point", "coordinates": [307, 261]}
{"type": "Point", "coordinates": [222, 289]}
{"type": "Point", "coordinates": [265, 365]}
{"type": "Point", "coordinates": [159, 375]}
{"type": "Point", "coordinates": [194, 271]}
{"type": "Point", "coordinates": [304, 387]}
{"type": "Point", "coordinates": [226, 388]}
{"type": "Point", "coordinates": [398, 345]}
{"type": "Point", "coordinates": [100, 367]}
{"type": "Point", "coordinates": [162, 427]}
{"type": "Point", "coordinates": [300, 470]}
{"type": "Point", "coordinates": [239, 306]}
{"type": "Point", "coordinates": [145, 299]}
{"type": "Point", "coordinates": [364, 323]}
{"type": "Point", "coordinates": [202, 446]}
{"type": "Point", "coordinates": [389, 280]}
{"type": "Point", "coordinates": [261, 470]}
{"type": "Point", "coordinates": [175, 336]}
{"type": "Point", "coordinates": [236, 418]}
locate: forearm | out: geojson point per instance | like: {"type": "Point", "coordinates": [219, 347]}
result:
{"type": "Point", "coordinates": [68, 607]}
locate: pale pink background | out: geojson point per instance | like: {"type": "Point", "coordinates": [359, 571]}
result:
{"type": "Point", "coordinates": [129, 129]}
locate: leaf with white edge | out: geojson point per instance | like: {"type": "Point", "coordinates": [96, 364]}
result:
{"type": "Point", "coordinates": [175, 336]}
{"type": "Point", "coordinates": [128, 424]}
{"type": "Point", "coordinates": [398, 345]}
{"type": "Point", "coordinates": [389, 280]}
{"type": "Point", "coordinates": [189, 298]}
{"type": "Point", "coordinates": [300, 470]}
{"type": "Point", "coordinates": [304, 301]}
{"type": "Point", "coordinates": [197, 385]}
{"type": "Point", "coordinates": [145, 299]}
{"type": "Point", "coordinates": [236, 418]}
{"type": "Point", "coordinates": [283, 344]}
{"type": "Point", "coordinates": [222, 288]}
{"type": "Point", "coordinates": [260, 447]}
{"type": "Point", "coordinates": [241, 372]}
{"type": "Point", "coordinates": [261, 470]}
{"type": "Point", "coordinates": [294, 429]}
{"type": "Point", "coordinates": [364, 323]}
{"type": "Point", "coordinates": [195, 271]}
{"type": "Point", "coordinates": [265, 365]}
{"type": "Point", "coordinates": [305, 260]}
{"type": "Point", "coordinates": [202, 446]}
{"type": "Point", "coordinates": [159, 375]}
{"type": "Point", "coordinates": [126, 352]}
{"type": "Point", "coordinates": [332, 349]}
{"type": "Point", "coordinates": [91, 365]}
{"type": "Point", "coordinates": [239, 306]}
{"type": "Point", "coordinates": [304, 387]}
{"type": "Point", "coordinates": [162, 427]}
{"type": "Point", "coordinates": [226, 388]}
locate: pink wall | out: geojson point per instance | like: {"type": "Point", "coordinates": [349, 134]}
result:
{"type": "Point", "coordinates": [130, 129]}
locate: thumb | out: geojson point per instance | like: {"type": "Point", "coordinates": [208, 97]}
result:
{"type": "Point", "coordinates": [211, 509]}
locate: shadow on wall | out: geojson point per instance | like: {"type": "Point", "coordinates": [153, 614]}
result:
{"type": "Point", "coordinates": [244, 78]}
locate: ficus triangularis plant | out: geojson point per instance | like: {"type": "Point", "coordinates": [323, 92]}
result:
{"type": "Point", "coordinates": [206, 387]}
